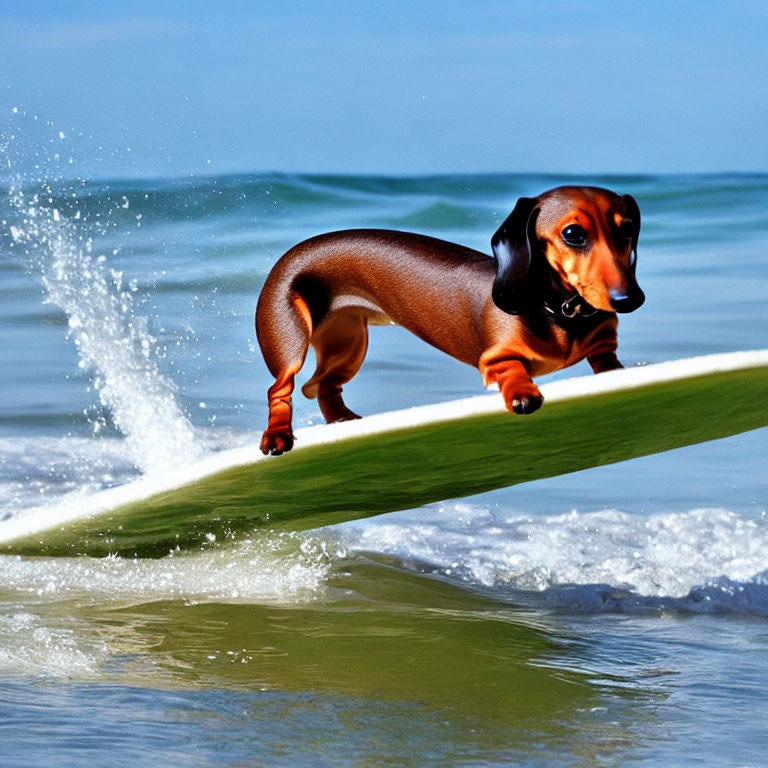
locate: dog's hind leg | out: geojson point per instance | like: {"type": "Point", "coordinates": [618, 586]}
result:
{"type": "Point", "coordinates": [283, 327]}
{"type": "Point", "coordinates": [340, 344]}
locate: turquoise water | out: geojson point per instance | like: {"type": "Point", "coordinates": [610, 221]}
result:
{"type": "Point", "coordinates": [609, 617]}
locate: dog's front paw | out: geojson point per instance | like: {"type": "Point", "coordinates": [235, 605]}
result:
{"type": "Point", "coordinates": [526, 403]}
{"type": "Point", "coordinates": [521, 395]}
{"type": "Point", "coordinates": [277, 442]}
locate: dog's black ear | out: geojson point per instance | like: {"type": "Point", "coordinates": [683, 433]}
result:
{"type": "Point", "coordinates": [633, 213]}
{"type": "Point", "coordinates": [513, 247]}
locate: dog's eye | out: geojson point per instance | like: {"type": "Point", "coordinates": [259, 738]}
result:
{"type": "Point", "coordinates": [575, 236]}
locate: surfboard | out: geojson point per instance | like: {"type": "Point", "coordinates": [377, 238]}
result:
{"type": "Point", "coordinates": [405, 459]}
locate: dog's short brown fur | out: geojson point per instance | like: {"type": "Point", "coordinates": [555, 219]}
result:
{"type": "Point", "coordinates": [563, 265]}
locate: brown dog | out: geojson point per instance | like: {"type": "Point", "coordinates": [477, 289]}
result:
{"type": "Point", "coordinates": [564, 264]}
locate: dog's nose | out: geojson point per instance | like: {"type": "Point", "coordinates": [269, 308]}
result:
{"type": "Point", "coordinates": [627, 302]}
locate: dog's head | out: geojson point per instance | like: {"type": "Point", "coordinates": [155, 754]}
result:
{"type": "Point", "coordinates": [577, 240]}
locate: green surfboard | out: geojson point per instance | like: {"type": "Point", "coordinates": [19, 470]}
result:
{"type": "Point", "coordinates": [404, 459]}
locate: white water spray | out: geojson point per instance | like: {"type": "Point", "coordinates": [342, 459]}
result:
{"type": "Point", "coordinates": [113, 342]}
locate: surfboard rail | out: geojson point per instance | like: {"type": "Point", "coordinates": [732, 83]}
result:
{"type": "Point", "coordinates": [408, 458]}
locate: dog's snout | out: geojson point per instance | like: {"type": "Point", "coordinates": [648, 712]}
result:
{"type": "Point", "coordinates": [627, 301]}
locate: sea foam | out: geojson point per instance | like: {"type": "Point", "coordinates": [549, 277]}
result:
{"type": "Point", "coordinates": [703, 560]}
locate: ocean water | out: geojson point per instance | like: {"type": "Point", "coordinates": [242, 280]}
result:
{"type": "Point", "coordinates": [613, 616]}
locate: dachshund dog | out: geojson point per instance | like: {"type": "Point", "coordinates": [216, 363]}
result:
{"type": "Point", "coordinates": [563, 265]}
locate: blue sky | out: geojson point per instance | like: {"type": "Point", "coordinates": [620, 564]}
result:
{"type": "Point", "coordinates": [391, 87]}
